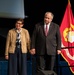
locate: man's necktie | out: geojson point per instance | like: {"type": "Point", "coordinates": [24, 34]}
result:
{"type": "Point", "coordinates": [46, 30]}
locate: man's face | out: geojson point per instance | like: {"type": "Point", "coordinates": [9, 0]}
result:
{"type": "Point", "coordinates": [18, 25]}
{"type": "Point", "coordinates": [48, 18]}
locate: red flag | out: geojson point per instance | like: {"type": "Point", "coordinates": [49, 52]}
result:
{"type": "Point", "coordinates": [67, 37]}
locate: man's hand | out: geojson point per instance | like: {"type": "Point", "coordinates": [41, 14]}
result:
{"type": "Point", "coordinates": [58, 51]}
{"type": "Point", "coordinates": [32, 51]}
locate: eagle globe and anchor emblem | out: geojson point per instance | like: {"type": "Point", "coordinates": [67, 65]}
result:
{"type": "Point", "coordinates": [68, 36]}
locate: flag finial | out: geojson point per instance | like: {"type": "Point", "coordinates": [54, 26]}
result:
{"type": "Point", "coordinates": [68, 1]}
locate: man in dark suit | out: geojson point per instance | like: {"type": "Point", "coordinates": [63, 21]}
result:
{"type": "Point", "coordinates": [46, 42]}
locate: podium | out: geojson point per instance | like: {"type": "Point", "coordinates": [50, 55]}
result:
{"type": "Point", "coordinates": [46, 72]}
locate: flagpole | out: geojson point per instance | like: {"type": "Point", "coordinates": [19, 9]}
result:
{"type": "Point", "coordinates": [69, 10]}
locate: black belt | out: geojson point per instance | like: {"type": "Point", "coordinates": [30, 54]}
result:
{"type": "Point", "coordinates": [18, 46]}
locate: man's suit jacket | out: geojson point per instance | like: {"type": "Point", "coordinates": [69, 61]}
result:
{"type": "Point", "coordinates": [50, 43]}
{"type": "Point", "coordinates": [11, 41]}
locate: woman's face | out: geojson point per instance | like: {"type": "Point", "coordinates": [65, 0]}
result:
{"type": "Point", "coordinates": [19, 25]}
